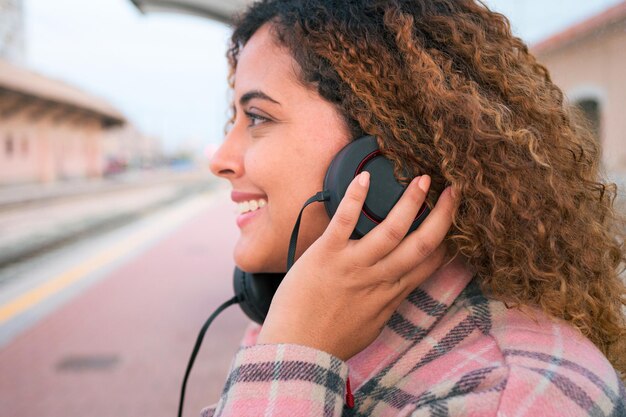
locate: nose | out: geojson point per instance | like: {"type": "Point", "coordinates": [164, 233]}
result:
{"type": "Point", "coordinates": [227, 161]}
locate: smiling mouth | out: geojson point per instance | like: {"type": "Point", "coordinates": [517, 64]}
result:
{"type": "Point", "coordinates": [251, 205]}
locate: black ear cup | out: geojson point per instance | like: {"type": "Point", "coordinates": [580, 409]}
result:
{"type": "Point", "coordinates": [384, 192]}
{"type": "Point", "coordinates": [255, 292]}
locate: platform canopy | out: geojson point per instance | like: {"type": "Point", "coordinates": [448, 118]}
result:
{"type": "Point", "coordinates": [221, 10]}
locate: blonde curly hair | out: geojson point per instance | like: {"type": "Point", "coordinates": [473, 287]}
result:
{"type": "Point", "coordinates": [450, 92]}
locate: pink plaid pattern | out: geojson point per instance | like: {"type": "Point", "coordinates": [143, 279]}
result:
{"type": "Point", "coordinates": [447, 351]}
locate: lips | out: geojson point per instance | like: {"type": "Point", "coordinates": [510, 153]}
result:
{"type": "Point", "coordinates": [241, 196]}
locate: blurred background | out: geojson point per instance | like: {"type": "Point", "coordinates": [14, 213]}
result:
{"type": "Point", "coordinates": [115, 241]}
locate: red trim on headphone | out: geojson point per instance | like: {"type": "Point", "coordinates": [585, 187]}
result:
{"type": "Point", "coordinates": [365, 160]}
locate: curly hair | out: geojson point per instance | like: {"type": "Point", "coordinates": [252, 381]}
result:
{"type": "Point", "coordinates": [450, 92]}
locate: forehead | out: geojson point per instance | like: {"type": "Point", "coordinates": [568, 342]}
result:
{"type": "Point", "coordinates": [263, 64]}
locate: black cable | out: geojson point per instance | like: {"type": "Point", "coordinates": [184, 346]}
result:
{"type": "Point", "coordinates": [291, 254]}
{"type": "Point", "coordinates": [196, 348]}
{"type": "Point", "coordinates": [319, 197]}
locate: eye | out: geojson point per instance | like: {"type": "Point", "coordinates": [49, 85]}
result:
{"type": "Point", "coordinates": [255, 118]}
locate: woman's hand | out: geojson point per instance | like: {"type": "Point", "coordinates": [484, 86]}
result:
{"type": "Point", "coordinates": [340, 293]}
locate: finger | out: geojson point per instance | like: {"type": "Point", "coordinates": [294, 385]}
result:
{"type": "Point", "coordinates": [345, 218]}
{"type": "Point", "coordinates": [419, 245]}
{"type": "Point", "coordinates": [390, 232]}
{"type": "Point", "coordinates": [418, 275]}
{"type": "Point", "coordinates": [404, 285]}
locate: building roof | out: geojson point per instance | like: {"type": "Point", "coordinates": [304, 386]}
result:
{"type": "Point", "coordinates": [21, 80]}
{"type": "Point", "coordinates": [221, 10]}
{"type": "Point", "coordinates": [583, 29]}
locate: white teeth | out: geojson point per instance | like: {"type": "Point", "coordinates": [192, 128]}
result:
{"type": "Point", "coordinates": [251, 205]}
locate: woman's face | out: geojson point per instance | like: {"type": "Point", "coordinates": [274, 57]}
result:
{"type": "Point", "coordinates": [276, 154]}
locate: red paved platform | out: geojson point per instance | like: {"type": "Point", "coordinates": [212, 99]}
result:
{"type": "Point", "coordinates": [135, 329]}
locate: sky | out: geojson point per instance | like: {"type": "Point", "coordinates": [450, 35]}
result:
{"type": "Point", "coordinates": [167, 72]}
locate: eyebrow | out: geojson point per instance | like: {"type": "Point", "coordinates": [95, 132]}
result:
{"type": "Point", "coordinates": [255, 94]}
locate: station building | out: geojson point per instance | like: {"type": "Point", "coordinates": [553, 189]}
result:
{"type": "Point", "coordinates": [588, 62]}
{"type": "Point", "coordinates": [52, 131]}
{"type": "Point", "coordinates": [49, 130]}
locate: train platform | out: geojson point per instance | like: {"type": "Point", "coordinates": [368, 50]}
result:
{"type": "Point", "coordinates": [37, 217]}
{"type": "Point", "coordinates": [121, 317]}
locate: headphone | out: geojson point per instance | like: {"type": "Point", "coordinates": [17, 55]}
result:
{"type": "Point", "coordinates": [254, 291]}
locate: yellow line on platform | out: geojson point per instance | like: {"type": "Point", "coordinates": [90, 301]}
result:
{"type": "Point", "coordinates": [40, 293]}
{"type": "Point", "coordinates": [33, 297]}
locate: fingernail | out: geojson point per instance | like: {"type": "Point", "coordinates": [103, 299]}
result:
{"type": "Point", "coordinates": [424, 183]}
{"type": "Point", "coordinates": [364, 178]}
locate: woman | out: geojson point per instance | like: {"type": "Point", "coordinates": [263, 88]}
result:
{"type": "Point", "coordinates": [506, 301]}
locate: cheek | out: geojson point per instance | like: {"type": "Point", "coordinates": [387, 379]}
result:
{"type": "Point", "coordinates": [289, 171]}
{"type": "Point", "coordinates": [286, 171]}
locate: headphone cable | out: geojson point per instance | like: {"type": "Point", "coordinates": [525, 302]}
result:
{"type": "Point", "coordinates": [291, 253]}
{"type": "Point", "coordinates": [196, 348]}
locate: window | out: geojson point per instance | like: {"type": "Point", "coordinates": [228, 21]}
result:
{"type": "Point", "coordinates": [591, 111]}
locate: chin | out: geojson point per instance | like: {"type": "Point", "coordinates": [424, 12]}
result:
{"type": "Point", "coordinates": [255, 262]}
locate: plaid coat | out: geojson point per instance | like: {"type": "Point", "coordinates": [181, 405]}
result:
{"type": "Point", "coordinates": [447, 351]}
